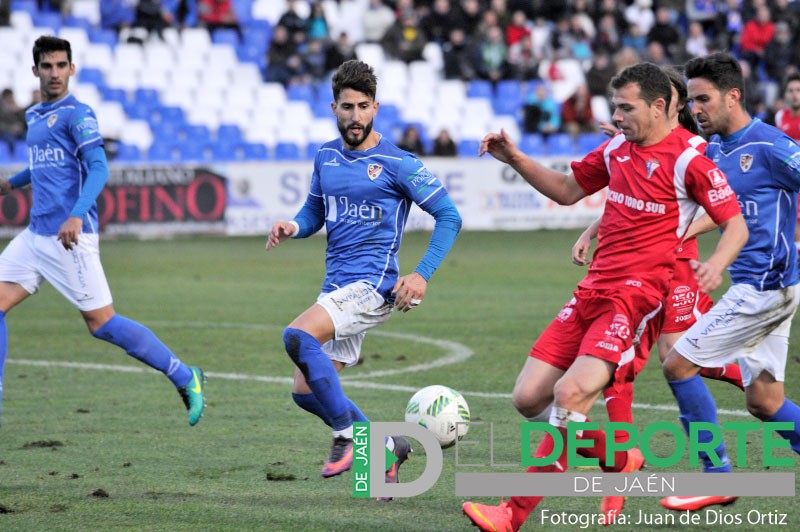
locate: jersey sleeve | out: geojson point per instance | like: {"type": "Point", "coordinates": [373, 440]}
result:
{"type": "Point", "coordinates": [785, 163]}
{"type": "Point", "coordinates": [418, 183]}
{"type": "Point", "coordinates": [591, 172]}
{"type": "Point", "coordinates": [311, 216]}
{"type": "Point", "coordinates": [84, 129]}
{"type": "Point", "coordinates": [708, 186]}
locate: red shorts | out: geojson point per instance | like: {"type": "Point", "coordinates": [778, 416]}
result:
{"type": "Point", "coordinates": [618, 326]}
{"type": "Point", "coordinates": [685, 301]}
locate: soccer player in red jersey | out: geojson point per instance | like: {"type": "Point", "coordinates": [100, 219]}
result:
{"type": "Point", "coordinates": [655, 184]}
{"type": "Point", "coordinates": [788, 121]}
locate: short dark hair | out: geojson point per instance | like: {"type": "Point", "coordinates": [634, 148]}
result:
{"type": "Point", "coordinates": [47, 44]}
{"type": "Point", "coordinates": [794, 76]}
{"type": "Point", "coordinates": [355, 75]}
{"type": "Point", "coordinates": [721, 69]}
{"type": "Point", "coordinates": [685, 117]}
{"type": "Point", "coordinates": [653, 82]}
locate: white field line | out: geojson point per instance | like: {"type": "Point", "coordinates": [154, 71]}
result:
{"type": "Point", "coordinates": [455, 353]}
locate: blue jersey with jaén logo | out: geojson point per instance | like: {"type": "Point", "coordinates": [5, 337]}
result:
{"type": "Point", "coordinates": [762, 165]}
{"type": "Point", "coordinates": [366, 197]}
{"type": "Point", "coordinates": [59, 133]}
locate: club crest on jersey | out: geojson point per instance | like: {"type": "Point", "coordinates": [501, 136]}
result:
{"type": "Point", "coordinates": [373, 171]}
{"type": "Point", "coordinates": [52, 120]}
{"type": "Point", "coordinates": [745, 162]}
{"type": "Point", "coordinates": [651, 167]}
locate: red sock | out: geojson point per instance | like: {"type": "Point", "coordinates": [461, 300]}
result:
{"type": "Point", "coordinates": [730, 373]}
{"type": "Point", "coordinates": [522, 506]}
{"type": "Point", "coordinates": [619, 405]}
{"type": "Point", "coordinates": [599, 450]}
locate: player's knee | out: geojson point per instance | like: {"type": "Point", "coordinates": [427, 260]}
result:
{"type": "Point", "coordinates": [291, 341]}
{"type": "Point", "coordinates": [568, 392]}
{"type": "Point", "coordinates": [762, 407]}
{"type": "Point", "coordinates": [529, 405]}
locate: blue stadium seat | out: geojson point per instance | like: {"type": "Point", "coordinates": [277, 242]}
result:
{"type": "Point", "coordinates": [560, 144]}
{"type": "Point", "coordinates": [480, 88]}
{"type": "Point", "coordinates": [532, 144]}
{"type": "Point", "coordinates": [311, 150]}
{"type": "Point", "coordinates": [45, 19]}
{"type": "Point", "coordinates": [114, 95]}
{"type": "Point", "coordinates": [138, 111]}
{"type": "Point", "coordinates": [196, 151]}
{"type": "Point", "coordinates": [92, 75]}
{"type": "Point", "coordinates": [147, 97]}
{"type": "Point", "coordinates": [72, 21]}
{"type": "Point", "coordinates": [225, 36]}
{"type": "Point", "coordinates": [249, 53]}
{"type": "Point", "coordinates": [5, 152]}
{"type": "Point", "coordinates": [301, 91]}
{"type": "Point", "coordinates": [387, 111]}
{"type": "Point", "coordinates": [164, 151]}
{"type": "Point", "coordinates": [287, 151]}
{"type": "Point", "coordinates": [128, 153]}
{"type": "Point", "coordinates": [323, 110]}
{"type": "Point", "coordinates": [229, 134]}
{"type": "Point", "coordinates": [168, 113]}
{"type": "Point", "coordinates": [196, 133]}
{"type": "Point", "coordinates": [228, 151]}
{"type": "Point", "coordinates": [325, 94]}
{"type": "Point", "coordinates": [29, 6]}
{"type": "Point", "coordinates": [468, 147]}
{"type": "Point", "coordinates": [589, 141]}
{"type": "Point", "coordinates": [243, 10]}
{"type": "Point", "coordinates": [20, 153]}
{"type": "Point", "coordinates": [507, 105]}
{"type": "Point", "coordinates": [254, 151]}
{"type": "Point", "coordinates": [164, 131]}
{"type": "Point", "coordinates": [509, 88]}
{"type": "Point", "coordinates": [102, 36]}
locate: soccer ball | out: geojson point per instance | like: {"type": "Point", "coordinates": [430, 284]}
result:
{"type": "Point", "coordinates": [442, 411]}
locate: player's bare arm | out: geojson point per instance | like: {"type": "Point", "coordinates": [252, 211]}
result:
{"type": "Point", "coordinates": [409, 290]}
{"type": "Point", "coordinates": [69, 232]}
{"type": "Point", "coordinates": [559, 187]}
{"type": "Point", "coordinates": [700, 226]}
{"type": "Point", "coordinates": [5, 187]}
{"type": "Point", "coordinates": [580, 250]}
{"type": "Point", "coordinates": [734, 237]}
{"type": "Point", "coordinates": [280, 232]}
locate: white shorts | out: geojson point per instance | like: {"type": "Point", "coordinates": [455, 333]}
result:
{"type": "Point", "coordinates": [77, 274]}
{"type": "Point", "coordinates": [354, 309]}
{"type": "Point", "coordinates": [745, 325]}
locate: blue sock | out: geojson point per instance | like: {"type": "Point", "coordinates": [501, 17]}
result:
{"type": "Point", "coordinates": [321, 376]}
{"type": "Point", "coordinates": [309, 403]}
{"type": "Point", "coordinates": [140, 343]}
{"type": "Point", "coordinates": [3, 352]}
{"type": "Point", "coordinates": [696, 404]}
{"type": "Point", "coordinates": [789, 412]}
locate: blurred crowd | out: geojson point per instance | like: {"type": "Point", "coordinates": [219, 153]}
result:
{"type": "Point", "coordinates": [498, 40]}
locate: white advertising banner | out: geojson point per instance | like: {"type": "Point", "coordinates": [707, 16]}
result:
{"type": "Point", "coordinates": [489, 195]}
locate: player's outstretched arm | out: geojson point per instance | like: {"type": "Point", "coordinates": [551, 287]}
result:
{"type": "Point", "coordinates": [734, 237]}
{"type": "Point", "coordinates": [580, 251]}
{"type": "Point", "coordinates": [280, 232]}
{"type": "Point", "coordinates": [559, 187]}
{"type": "Point", "coordinates": [16, 181]}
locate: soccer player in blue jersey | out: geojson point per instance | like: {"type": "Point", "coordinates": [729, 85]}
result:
{"type": "Point", "coordinates": [362, 189]}
{"type": "Point", "coordinates": [67, 169]}
{"type": "Point", "coordinates": [751, 321]}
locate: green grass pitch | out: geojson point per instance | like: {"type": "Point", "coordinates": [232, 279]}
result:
{"type": "Point", "coordinates": [91, 441]}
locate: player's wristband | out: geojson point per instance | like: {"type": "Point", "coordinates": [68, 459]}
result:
{"type": "Point", "coordinates": [296, 228]}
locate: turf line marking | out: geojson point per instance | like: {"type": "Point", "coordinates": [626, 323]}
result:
{"type": "Point", "coordinates": [349, 383]}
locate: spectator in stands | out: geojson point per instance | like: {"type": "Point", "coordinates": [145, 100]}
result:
{"type": "Point", "coordinates": [782, 11]}
{"type": "Point", "coordinates": [780, 55]}
{"type": "Point", "coordinates": [518, 28]}
{"type": "Point", "coordinates": [281, 49]}
{"type": "Point", "coordinates": [541, 38]}
{"type": "Point", "coordinates": [561, 39]}
{"type": "Point", "coordinates": [702, 11]}
{"type": "Point", "coordinates": [608, 37]}
{"type": "Point", "coordinates": [626, 57]}
{"type": "Point", "coordinates": [523, 62]}
{"type": "Point", "coordinates": [339, 51]}
{"type": "Point", "coordinates": [377, 20]}
{"type": "Point", "coordinates": [756, 34]}
{"type": "Point", "coordinates": [153, 16]}
{"type": "Point", "coordinates": [315, 60]}
{"type": "Point", "coordinates": [665, 32]}
{"type": "Point", "coordinates": [599, 74]}
{"type": "Point", "coordinates": [185, 13]}
{"type": "Point", "coordinates": [292, 21]}
{"type": "Point", "coordinates": [411, 141]}
{"type": "Point", "coordinates": [444, 145]}
{"type": "Point", "coordinates": [493, 66]}
{"type": "Point", "coordinates": [460, 57]}
{"type": "Point", "coordinates": [612, 9]}
{"type": "Point", "coordinates": [640, 14]}
{"type": "Point", "coordinates": [581, 47]}
{"type": "Point", "coordinates": [317, 24]}
{"type": "Point", "coordinates": [656, 54]}
{"type": "Point", "coordinates": [787, 119]}
{"type": "Point", "coordinates": [501, 10]}
{"type": "Point", "coordinates": [405, 40]}
{"type": "Point", "coordinates": [696, 41]}
{"type": "Point", "coordinates": [219, 14]}
{"type": "Point", "coordinates": [5, 12]}
{"type": "Point", "coordinates": [633, 38]}
{"type": "Point", "coordinates": [576, 113]}
{"type": "Point", "coordinates": [728, 25]}
{"type": "Point", "coordinates": [468, 17]}
{"type": "Point", "coordinates": [753, 102]}
{"type": "Point", "coordinates": [439, 22]}
{"type": "Point", "coordinates": [541, 112]}
{"type": "Point", "coordinates": [12, 119]}
{"type": "Point", "coordinates": [116, 14]}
